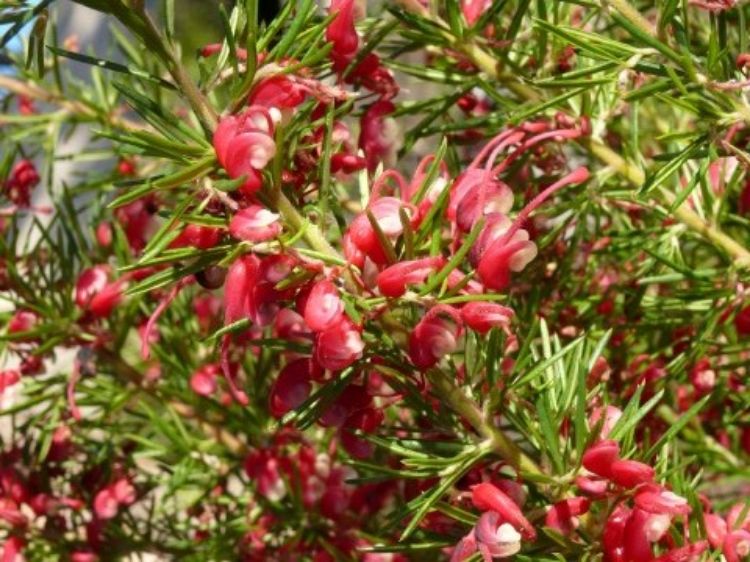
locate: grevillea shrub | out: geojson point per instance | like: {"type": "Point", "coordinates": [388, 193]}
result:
{"type": "Point", "coordinates": [419, 280]}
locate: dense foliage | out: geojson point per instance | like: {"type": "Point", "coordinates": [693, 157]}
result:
{"type": "Point", "coordinates": [426, 280]}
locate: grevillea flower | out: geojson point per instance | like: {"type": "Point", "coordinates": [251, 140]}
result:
{"type": "Point", "coordinates": [483, 316]}
{"type": "Point", "coordinates": [291, 388]}
{"type": "Point", "coordinates": [203, 381]}
{"type": "Point", "coordinates": [599, 458]}
{"type": "Point", "coordinates": [240, 278]}
{"type": "Point", "coordinates": [244, 145]}
{"type": "Point", "coordinates": [613, 536]}
{"type": "Point", "coordinates": [563, 516]}
{"type": "Point", "coordinates": [324, 309]}
{"type": "Point", "coordinates": [386, 212]}
{"type": "Point", "coordinates": [22, 321]}
{"type": "Point", "coordinates": [654, 499]}
{"type": "Point", "coordinates": [488, 497]}
{"type": "Point", "coordinates": [642, 529]}
{"type": "Point", "coordinates": [263, 467]}
{"type": "Point", "coordinates": [473, 9]}
{"type": "Point", "coordinates": [197, 236]}
{"type": "Point", "coordinates": [8, 378]}
{"type": "Point", "coordinates": [136, 219]}
{"type": "Point", "coordinates": [255, 224]}
{"type": "Point", "coordinates": [95, 293]}
{"type": "Point", "coordinates": [342, 33]}
{"type": "Point", "coordinates": [280, 91]}
{"type": "Point", "coordinates": [501, 251]}
{"type": "Point", "coordinates": [434, 336]}
{"type": "Point", "coordinates": [630, 473]}
{"type": "Point", "coordinates": [393, 280]}
{"type": "Point", "coordinates": [495, 537]}
{"type": "Point", "coordinates": [339, 346]}
{"type": "Point", "coordinates": [109, 500]}
{"type": "Point", "coordinates": [379, 136]}
{"type": "Point", "coordinates": [23, 178]}
{"type": "Point", "coordinates": [736, 545]}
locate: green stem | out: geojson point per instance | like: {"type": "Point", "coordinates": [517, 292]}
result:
{"type": "Point", "coordinates": [500, 443]}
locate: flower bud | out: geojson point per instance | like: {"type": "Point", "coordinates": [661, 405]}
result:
{"type": "Point", "coordinates": [487, 497]}
{"type": "Point", "coordinates": [483, 316]}
{"type": "Point", "coordinates": [393, 280]}
{"type": "Point", "coordinates": [629, 473]}
{"type": "Point", "coordinates": [599, 458]}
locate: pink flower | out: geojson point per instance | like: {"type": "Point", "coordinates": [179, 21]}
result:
{"type": "Point", "coordinates": [654, 499]}
{"type": "Point", "coordinates": [255, 224]}
{"type": "Point", "coordinates": [473, 9]}
{"type": "Point", "coordinates": [613, 537]}
{"type": "Point", "coordinates": [22, 321]}
{"type": "Point", "coordinates": [630, 473]}
{"type": "Point", "coordinates": [599, 458]}
{"type": "Point", "coordinates": [291, 388]}
{"type": "Point", "coordinates": [23, 178]}
{"type": "Point", "coordinates": [278, 91]}
{"type": "Point", "coordinates": [339, 346]}
{"type": "Point", "coordinates": [244, 145]}
{"type": "Point", "coordinates": [197, 236]}
{"type": "Point", "coordinates": [240, 282]}
{"type": "Point", "coordinates": [495, 537]}
{"type": "Point", "coordinates": [8, 378]}
{"type": "Point", "coordinates": [95, 293]}
{"type": "Point", "coordinates": [736, 545]}
{"type": "Point", "coordinates": [435, 336]}
{"type": "Point", "coordinates": [109, 500]}
{"type": "Point", "coordinates": [483, 316]}
{"type": "Point", "coordinates": [324, 309]}
{"type": "Point", "coordinates": [611, 415]}
{"type": "Point", "coordinates": [386, 212]}
{"type": "Point", "coordinates": [342, 33]}
{"type": "Point", "coordinates": [488, 497]}
{"type": "Point", "coordinates": [393, 280]}
{"type": "Point", "coordinates": [203, 381]}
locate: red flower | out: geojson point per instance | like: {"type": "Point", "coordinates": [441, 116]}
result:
{"type": "Point", "coordinates": [203, 381]}
{"type": "Point", "coordinates": [629, 473]}
{"type": "Point", "coordinates": [339, 346]}
{"type": "Point", "coordinates": [488, 497]}
{"type": "Point", "coordinates": [473, 9]}
{"type": "Point", "coordinates": [197, 236]}
{"type": "Point", "coordinates": [23, 178]}
{"type": "Point", "coordinates": [563, 515]}
{"type": "Point", "coordinates": [244, 145]}
{"type": "Point", "coordinates": [291, 388]}
{"type": "Point", "coordinates": [95, 293]}
{"type": "Point", "coordinates": [278, 91]}
{"type": "Point", "coordinates": [393, 280]}
{"type": "Point", "coordinates": [435, 336]}
{"type": "Point", "coordinates": [599, 458]}
{"type": "Point", "coordinates": [483, 316]}
{"type": "Point", "coordinates": [324, 308]}
{"type": "Point", "coordinates": [342, 33]}
{"type": "Point", "coordinates": [255, 224]}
